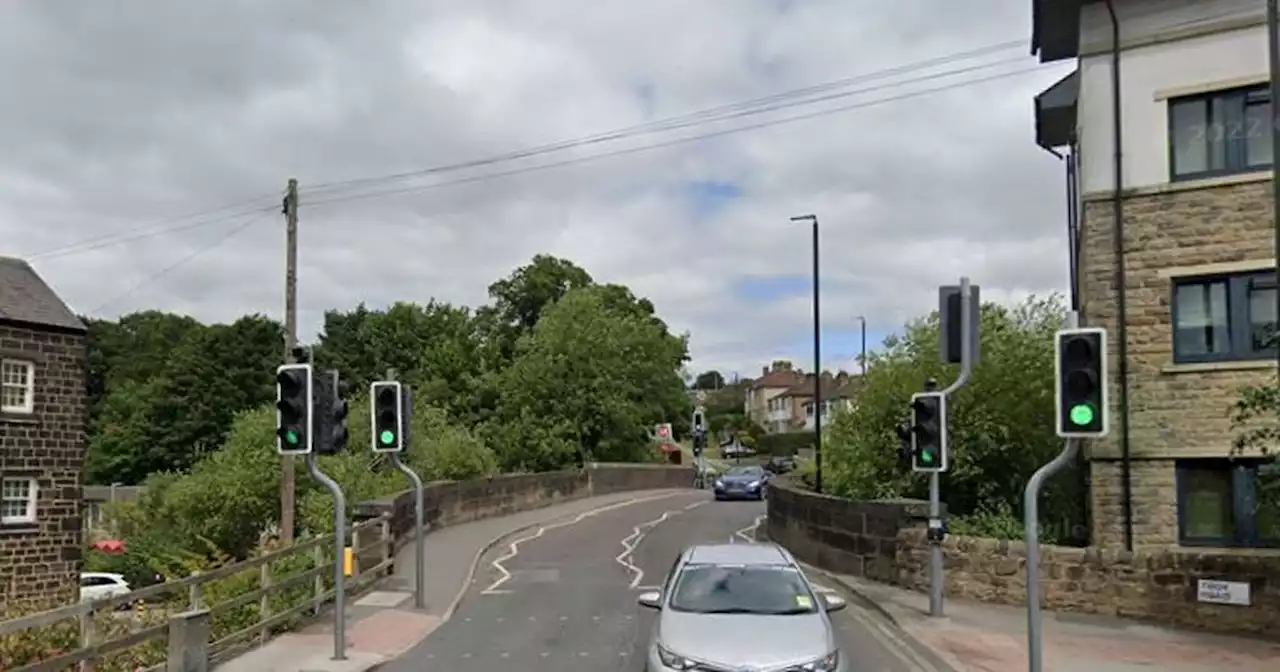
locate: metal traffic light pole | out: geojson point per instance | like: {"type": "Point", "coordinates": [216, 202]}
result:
{"type": "Point", "coordinates": [1072, 429]}
{"type": "Point", "coordinates": [967, 347]}
{"type": "Point", "coordinates": [419, 504]}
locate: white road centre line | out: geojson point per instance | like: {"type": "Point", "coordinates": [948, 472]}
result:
{"type": "Point", "coordinates": [748, 533]}
{"type": "Point", "coordinates": [637, 535]}
{"type": "Point", "coordinates": [514, 548]}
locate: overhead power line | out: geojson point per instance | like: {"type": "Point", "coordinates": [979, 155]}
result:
{"type": "Point", "coordinates": [683, 120]}
{"type": "Point", "coordinates": [762, 105]}
{"type": "Point", "coordinates": [709, 115]}
{"type": "Point", "coordinates": [676, 141]}
{"type": "Point", "coordinates": [248, 221]}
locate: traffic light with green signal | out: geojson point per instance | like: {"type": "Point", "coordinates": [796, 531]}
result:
{"type": "Point", "coordinates": [929, 432]}
{"type": "Point", "coordinates": [294, 404]}
{"type": "Point", "coordinates": [386, 401]}
{"type": "Point", "coordinates": [1081, 383]}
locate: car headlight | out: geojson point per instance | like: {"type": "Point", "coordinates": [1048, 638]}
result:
{"type": "Point", "coordinates": [676, 662]}
{"type": "Point", "coordinates": [826, 663]}
{"type": "Point", "coordinates": [719, 483]}
{"type": "Point", "coordinates": [754, 484]}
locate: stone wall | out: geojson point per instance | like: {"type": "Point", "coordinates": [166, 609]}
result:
{"type": "Point", "coordinates": [41, 560]}
{"type": "Point", "coordinates": [454, 502]}
{"type": "Point", "coordinates": [855, 538]}
{"type": "Point", "coordinates": [1158, 585]}
{"type": "Point", "coordinates": [1175, 410]}
{"type": "Point", "coordinates": [885, 541]}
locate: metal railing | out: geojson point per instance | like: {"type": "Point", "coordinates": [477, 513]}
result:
{"type": "Point", "coordinates": [273, 592]}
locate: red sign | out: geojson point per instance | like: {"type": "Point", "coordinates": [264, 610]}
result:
{"type": "Point", "coordinates": [664, 432]}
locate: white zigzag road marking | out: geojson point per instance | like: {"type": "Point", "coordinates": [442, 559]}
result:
{"type": "Point", "coordinates": [748, 533]}
{"type": "Point", "coordinates": [514, 549]}
{"type": "Point", "coordinates": [637, 535]}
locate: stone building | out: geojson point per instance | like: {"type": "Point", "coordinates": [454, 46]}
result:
{"type": "Point", "coordinates": [1189, 295]}
{"type": "Point", "coordinates": [43, 412]}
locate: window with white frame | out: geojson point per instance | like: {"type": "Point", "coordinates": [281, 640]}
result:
{"type": "Point", "coordinates": [17, 386]}
{"type": "Point", "coordinates": [17, 500]}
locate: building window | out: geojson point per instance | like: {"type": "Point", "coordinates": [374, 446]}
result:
{"type": "Point", "coordinates": [1229, 503]}
{"type": "Point", "coordinates": [17, 501]}
{"type": "Point", "coordinates": [1220, 133]}
{"type": "Point", "coordinates": [17, 386]}
{"type": "Point", "coordinates": [1223, 318]}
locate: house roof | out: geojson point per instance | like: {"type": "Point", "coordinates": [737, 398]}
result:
{"type": "Point", "coordinates": [776, 379]}
{"type": "Point", "coordinates": [831, 388]}
{"type": "Point", "coordinates": [25, 298]}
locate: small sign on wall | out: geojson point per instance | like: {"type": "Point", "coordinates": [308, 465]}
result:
{"type": "Point", "coordinates": [1223, 592]}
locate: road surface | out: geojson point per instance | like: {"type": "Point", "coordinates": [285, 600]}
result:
{"type": "Point", "coordinates": [563, 598]}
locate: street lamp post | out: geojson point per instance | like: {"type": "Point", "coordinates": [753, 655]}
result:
{"type": "Point", "coordinates": [863, 320]}
{"type": "Point", "coordinates": [817, 358]}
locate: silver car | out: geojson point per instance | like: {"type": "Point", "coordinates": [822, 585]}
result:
{"type": "Point", "coordinates": [741, 608]}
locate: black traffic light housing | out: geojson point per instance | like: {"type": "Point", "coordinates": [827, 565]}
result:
{"type": "Point", "coordinates": [330, 412]}
{"type": "Point", "coordinates": [904, 442]}
{"type": "Point", "coordinates": [386, 415]}
{"type": "Point", "coordinates": [295, 402]}
{"type": "Point", "coordinates": [1080, 374]}
{"type": "Point", "coordinates": [929, 432]}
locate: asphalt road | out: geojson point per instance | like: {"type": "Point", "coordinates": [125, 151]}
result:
{"type": "Point", "coordinates": [563, 600]}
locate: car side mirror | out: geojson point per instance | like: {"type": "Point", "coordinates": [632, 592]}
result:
{"type": "Point", "coordinates": [652, 600]}
{"type": "Point", "coordinates": [834, 602]}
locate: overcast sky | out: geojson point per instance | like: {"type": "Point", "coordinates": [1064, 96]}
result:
{"type": "Point", "coordinates": [121, 118]}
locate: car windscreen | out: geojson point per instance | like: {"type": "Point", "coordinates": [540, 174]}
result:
{"type": "Point", "coordinates": [741, 589]}
{"type": "Point", "coordinates": [744, 471]}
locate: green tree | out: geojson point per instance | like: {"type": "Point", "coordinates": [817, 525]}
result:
{"type": "Point", "coordinates": [162, 414]}
{"type": "Point", "coordinates": [1000, 426]}
{"type": "Point", "coordinates": [589, 381]}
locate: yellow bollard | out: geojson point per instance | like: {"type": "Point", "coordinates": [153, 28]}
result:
{"type": "Point", "coordinates": [348, 560]}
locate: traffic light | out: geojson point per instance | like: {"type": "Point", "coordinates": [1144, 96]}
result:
{"type": "Point", "coordinates": [904, 442]}
{"type": "Point", "coordinates": [294, 403]}
{"type": "Point", "coordinates": [338, 411]}
{"type": "Point", "coordinates": [699, 421]}
{"type": "Point", "coordinates": [929, 432]}
{"type": "Point", "coordinates": [1081, 383]}
{"type": "Point", "coordinates": [387, 416]}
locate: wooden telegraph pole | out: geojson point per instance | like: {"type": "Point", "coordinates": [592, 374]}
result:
{"type": "Point", "coordinates": [288, 485]}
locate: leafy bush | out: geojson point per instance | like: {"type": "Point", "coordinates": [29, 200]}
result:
{"type": "Point", "coordinates": [1001, 426]}
{"type": "Point", "coordinates": [785, 444]}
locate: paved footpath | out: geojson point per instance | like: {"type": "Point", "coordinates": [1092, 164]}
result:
{"type": "Point", "coordinates": [561, 597]}
{"type": "Point", "coordinates": [383, 624]}
{"type": "Point", "coordinates": [977, 637]}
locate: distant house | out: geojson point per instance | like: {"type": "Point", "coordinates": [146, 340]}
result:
{"type": "Point", "coordinates": [43, 414]}
{"type": "Point", "coordinates": [762, 405]}
{"type": "Point", "coordinates": [797, 403]}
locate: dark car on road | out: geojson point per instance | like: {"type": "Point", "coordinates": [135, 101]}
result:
{"type": "Point", "coordinates": [742, 482]}
{"type": "Point", "coordinates": [780, 465]}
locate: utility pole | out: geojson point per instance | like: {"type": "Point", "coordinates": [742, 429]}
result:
{"type": "Point", "coordinates": [288, 486]}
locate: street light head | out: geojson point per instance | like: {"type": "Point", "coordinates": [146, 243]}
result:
{"type": "Point", "coordinates": [805, 218]}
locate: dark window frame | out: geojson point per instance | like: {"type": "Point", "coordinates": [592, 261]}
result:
{"type": "Point", "coordinates": [1243, 475]}
{"type": "Point", "coordinates": [1236, 103]}
{"type": "Point", "coordinates": [1239, 319]}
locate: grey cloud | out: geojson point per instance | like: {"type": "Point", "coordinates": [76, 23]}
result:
{"type": "Point", "coordinates": [119, 114]}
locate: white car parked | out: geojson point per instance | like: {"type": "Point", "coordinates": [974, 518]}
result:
{"type": "Point", "coordinates": [100, 585]}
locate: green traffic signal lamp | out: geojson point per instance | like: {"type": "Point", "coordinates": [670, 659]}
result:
{"type": "Point", "coordinates": [387, 415]}
{"type": "Point", "coordinates": [1081, 414]}
{"type": "Point", "coordinates": [293, 409]}
{"type": "Point", "coordinates": [1081, 383]}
